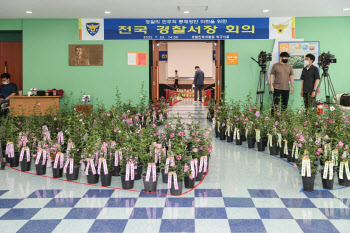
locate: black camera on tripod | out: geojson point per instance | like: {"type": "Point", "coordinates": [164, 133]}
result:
{"type": "Point", "coordinates": [325, 59]}
{"type": "Point", "coordinates": [264, 58]}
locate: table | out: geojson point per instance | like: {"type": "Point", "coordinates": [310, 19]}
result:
{"type": "Point", "coordinates": [27, 105]}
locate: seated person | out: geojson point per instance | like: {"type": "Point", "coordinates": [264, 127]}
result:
{"type": "Point", "coordinates": [7, 89]}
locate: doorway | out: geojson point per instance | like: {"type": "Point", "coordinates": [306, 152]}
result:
{"type": "Point", "coordinates": [168, 56]}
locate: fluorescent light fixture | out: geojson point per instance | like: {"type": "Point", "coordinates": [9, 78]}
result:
{"type": "Point", "coordinates": [186, 12]}
{"type": "Point", "coordinates": [193, 9]}
{"type": "Point", "coordinates": [346, 9]}
{"type": "Point", "coordinates": [29, 12]}
{"type": "Point", "coordinates": [107, 12]}
{"type": "Point", "coordinates": [265, 11]}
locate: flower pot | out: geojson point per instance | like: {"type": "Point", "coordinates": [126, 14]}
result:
{"type": "Point", "coordinates": [3, 163]}
{"type": "Point", "coordinates": [222, 134]}
{"type": "Point", "coordinates": [14, 162]}
{"type": "Point", "coordinates": [230, 138]}
{"type": "Point", "coordinates": [176, 192]}
{"type": "Point", "coordinates": [210, 119]}
{"type": "Point", "coordinates": [126, 184]}
{"type": "Point", "coordinates": [149, 186]}
{"type": "Point", "coordinates": [321, 162]}
{"type": "Point", "coordinates": [56, 172]}
{"type": "Point", "coordinates": [40, 168]}
{"type": "Point", "coordinates": [217, 132]}
{"type": "Point", "coordinates": [264, 140]}
{"type": "Point", "coordinates": [74, 175]}
{"type": "Point", "coordinates": [281, 150]}
{"type": "Point", "coordinates": [189, 183]}
{"type": "Point", "coordinates": [116, 171]}
{"type": "Point", "coordinates": [308, 183]}
{"type": "Point", "coordinates": [91, 178]}
{"type": "Point", "coordinates": [273, 150]}
{"type": "Point", "coordinates": [164, 176]}
{"type": "Point", "coordinates": [290, 158]}
{"type": "Point", "coordinates": [251, 142]}
{"type": "Point", "coordinates": [261, 146]}
{"type": "Point", "coordinates": [327, 183]}
{"type": "Point", "coordinates": [344, 181]}
{"type": "Point", "coordinates": [199, 176]}
{"type": "Point", "coordinates": [138, 172]}
{"type": "Point", "coordinates": [238, 142]}
{"type": "Point", "coordinates": [106, 179]}
{"type": "Point", "coordinates": [243, 137]}
{"type": "Point", "coordinates": [25, 165]}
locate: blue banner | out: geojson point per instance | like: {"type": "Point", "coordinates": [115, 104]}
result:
{"type": "Point", "coordinates": [163, 55]}
{"type": "Point", "coordinates": [186, 29]}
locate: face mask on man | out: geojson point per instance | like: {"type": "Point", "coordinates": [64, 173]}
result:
{"type": "Point", "coordinates": [4, 83]}
{"type": "Point", "coordinates": [285, 60]}
{"type": "Point", "coordinates": [306, 63]}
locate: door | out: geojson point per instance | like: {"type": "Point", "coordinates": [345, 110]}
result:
{"type": "Point", "coordinates": [155, 71]}
{"type": "Point", "coordinates": [11, 53]}
{"type": "Point", "coordinates": [218, 71]}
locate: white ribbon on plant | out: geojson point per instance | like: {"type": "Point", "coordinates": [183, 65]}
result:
{"type": "Point", "coordinates": [70, 163]}
{"type": "Point", "coordinates": [24, 150]}
{"type": "Point", "coordinates": [279, 140]}
{"type": "Point", "coordinates": [117, 157]}
{"type": "Point", "coordinates": [151, 167]}
{"type": "Point", "coordinates": [90, 163]}
{"type": "Point", "coordinates": [346, 166]}
{"type": "Point", "coordinates": [318, 138]}
{"type": "Point", "coordinates": [10, 150]}
{"type": "Point", "coordinates": [269, 140]}
{"type": "Point", "coordinates": [60, 138]}
{"type": "Point", "coordinates": [228, 129]}
{"type": "Point", "coordinates": [38, 156]}
{"type": "Point", "coordinates": [59, 158]}
{"type": "Point", "coordinates": [193, 171]}
{"type": "Point", "coordinates": [170, 175]}
{"type": "Point", "coordinates": [161, 117]}
{"type": "Point", "coordinates": [327, 148]}
{"type": "Point", "coordinates": [328, 166]}
{"type": "Point", "coordinates": [169, 162]}
{"type": "Point", "coordinates": [257, 135]}
{"type": "Point", "coordinates": [129, 173]}
{"type": "Point", "coordinates": [335, 157]}
{"type": "Point", "coordinates": [154, 117]}
{"type": "Point", "coordinates": [306, 167]}
{"type": "Point", "coordinates": [214, 124]}
{"type": "Point", "coordinates": [236, 134]}
{"type": "Point", "coordinates": [218, 125]}
{"type": "Point", "coordinates": [285, 147]}
{"type": "Point", "coordinates": [203, 164]}
{"type": "Point", "coordinates": [102, 161]}
{"type": "Point", "coordinates": [246, 132]}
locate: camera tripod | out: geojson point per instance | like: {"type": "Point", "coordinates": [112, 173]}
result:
{"type": "Point", "coordinates": [328, 86]}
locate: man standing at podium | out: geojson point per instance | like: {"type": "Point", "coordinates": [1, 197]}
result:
{"type": "Point", "coordinates": [7, 89]}
{"type": "Point", "coordinates": [198, 82]}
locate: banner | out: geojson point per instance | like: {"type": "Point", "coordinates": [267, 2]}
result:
{"type": "Point", "coordinates": [163, 55]}
{"type": "Point", "coordinates": [174, 29]}
{"type": "Point", "coordinates": [282, 28]}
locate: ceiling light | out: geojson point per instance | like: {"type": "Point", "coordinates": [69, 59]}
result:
{"type": "Point", "coordinates": [346, 9]}
{"type": "Point", "coordinates": [186, 12]}
{"type": "Point", "coordinates": [107, 12]}
{"type": "Point", "coordinates": [265, 11]}
{"type": "Point", "coordinates": [29, 12]}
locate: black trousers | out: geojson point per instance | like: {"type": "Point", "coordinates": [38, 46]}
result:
{"type": "Point", "coordinates": [196, 89]}
{"type": "Point", "coordinates": [309, 101]}
{"type": "Point", "coordinates": [281, 96]}
{"type": "Point", "coordinates": [176, 84]}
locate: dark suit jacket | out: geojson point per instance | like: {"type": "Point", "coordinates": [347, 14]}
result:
{"type": "Point", "coordinates": [199, 78]}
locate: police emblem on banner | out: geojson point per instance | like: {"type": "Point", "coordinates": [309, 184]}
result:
{"type": "Point", "coordinates": [92, 28]}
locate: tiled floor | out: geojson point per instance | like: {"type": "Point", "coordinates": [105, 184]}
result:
{"type": "Point", "coordinates": [245, 191]}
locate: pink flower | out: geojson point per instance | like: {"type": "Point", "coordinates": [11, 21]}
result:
{"type": "Point", "coordinates": [254, 107]}
{"type": "Point", "coordinates": [166, 126]}
{"type": "Point", "coordinates": [39, 104]}
{"type": "Point", "coordinates": [130, 103]}
{"type": "Point", "coordinates": [242, 115]}
{"type": "Point", "coordinates": [115, 130]}
{"type": "Point", "coordinates": [180, 134]}
{"type": "Point", "coordinates": [343, 157]}
{"type": "Point", "coordinates": [267, 118]}
{"type": "Point", "coordinates": [299, 145]}
{"type": "Point", "coordinates": [295, 166]}
{"type": "Point", "coordinates": [340, 143]}
{"type": "Point", "coordinates": [278, 113]}
{"type": "Point", "coordinates": [195, 150]}
{"type": "Point", "coordinates": [172, 135]}
{"type": "Point", "coordinates": [201, 148]}
{"type": "Point", "coordinates": [316, 123]}
{"type": "Point", "coordinates": [223, 124]}
{"type": "Point", "coordinates": [154, 126]}
{"type": "Point", "coordinates": [210, 129]}
{"type": "Point", "coordinates": [178, 157]}
{"type": "Point", "coordinates": [277, 123]}
{"type": "Point", "coordinates": [163, 150]}
{"type": "Point", "coordinates": [326, 105]}
{"type": "Point", "coordinates": [250, 109]}
{"type": "Point", "coordinates": [19, 123]}
{"type": "Point", "coordinates": [257, 114]}
{"type": "Point", "coordinates": [108, 114]}
{"type": "Point", "coordinates": [326, 137]}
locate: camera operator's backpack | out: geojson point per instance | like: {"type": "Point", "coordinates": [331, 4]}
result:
{"type": "Point", "coordinates": [345, 100]}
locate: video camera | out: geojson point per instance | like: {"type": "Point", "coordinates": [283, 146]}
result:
{"type": "Point", "coordinates": [325, 59]}
{"type": "Point", "coordinates": [263, 58]}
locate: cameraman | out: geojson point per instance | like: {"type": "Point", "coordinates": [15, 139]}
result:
{"type": "Point", "coordinates": [310, 77]}
{"type": "Point", "coordinates": [281, 74]}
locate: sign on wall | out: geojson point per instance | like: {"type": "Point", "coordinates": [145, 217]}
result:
{"type": "Point", "coordinates": [163, 55]}
{"type": "Point", "coordinates": [137, 59]}
{"type": "Point", "coordinates": [297, 51]}
{"type": "Point", "coordinates": [232, 58]}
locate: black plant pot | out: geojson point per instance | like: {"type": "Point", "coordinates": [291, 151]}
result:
{"type": "Point", "coordinates": [3, 163]}
{"type": "Point", "coordinates": [57, 172]}
{"type": "Point", "coordinates": [189, 183]}
{"type": "Point", "coordinates": [251, 142]}
{"type": "Point", "coordinates": [126, 184]}
{"type": "Point", "coordinates": [308, 183]}
{"type": "Point", "coordinates": [281, 150]}
{"type": "Point", "coordinates": [264, 140]}
{"type": "Point", "coordinates": [243, 137]}
{"type": "Point", "coordinates": [327, 183]}
{"type": "Point", "coordinates": [274, 150]}
{"type": "Point", "coordinates": [40, 168]}
{"type": "Point", "coordinates": [116, 171]}
{"type": "Point", "coordinates": [25, 165]}
{"type": "Point", "coordinates": [106, 179]}
{"type": "Point", "coordinates": [149, 186]}
{"type": "Point", "coordinates": [345, 181]}
{"type": "Point", "coordinates": [210, 119]}
{"type": "Point", "coordinates": [164, 176]}
{"type": "Point", "coordinates": [230, 138]}
{"type": "Point", "coordinates": [91, 178]}
{"type": "Point", "coordinates": [14, 162]}
{"type": "Point", "coordinates": [239, 142]}
{"type": "Point", "coordinates": [321, 162]}
{"type": "Point", "coordinates": [217, 132]}
{"type": "Point", "coordinates": [74, 175]}
{"type": "Point", "coordinates": [290, 157]}
{"type": "Point", "coordinates": [176, 192]}
{"type": "Point", "coordinates": [199, 176]}
{"type": "Point", "coordinates": [261, 146]}
{"type": "Point", "coordinates": [222, 134]}
{"type": "Point", "coordinates": [138, 172]}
